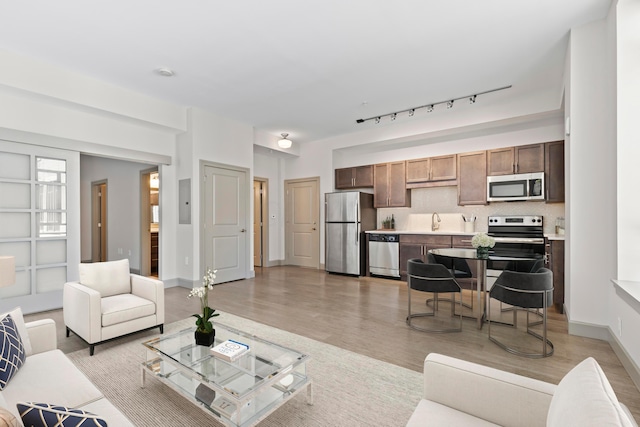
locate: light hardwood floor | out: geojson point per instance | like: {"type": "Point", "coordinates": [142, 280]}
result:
{"type": "Point", "coordinates": [367, 315]}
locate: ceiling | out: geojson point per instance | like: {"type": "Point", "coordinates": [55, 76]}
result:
{"type": "Point", "coordinates": [310, 68]}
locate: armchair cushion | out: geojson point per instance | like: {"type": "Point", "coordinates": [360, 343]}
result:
{"type": "Point", "coordinates": [109, 278]}
{"type": "Point", "coordinates": [122, 308]}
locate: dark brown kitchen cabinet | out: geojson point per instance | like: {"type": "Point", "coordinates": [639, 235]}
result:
{"type": "Point", "coordinates": [417, 246]}
{"type": "Point", "coordinates": [519, 159]}
{"type": "Point", "coordinates": [354, 177]}
{"type": "Point", "coordinates": [554, 171]}
{"type": "Point", "coordinates": [555, 259]}
{"type": "Point", "coordinates": [389, 187]}
{"type": "Point", "coordinates": [472, 178]}
{"type": "Point", "coordinates": [432, 171]}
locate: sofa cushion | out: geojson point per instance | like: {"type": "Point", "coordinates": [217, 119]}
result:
{"type": "Point", "coordinates": [122, 308]}
{"type": "Point", "coordinates": [12, 354]}
{"type": "Point", "coordinates": [108, 278]}
{"type": "Point", "coordinates": [49, 375]}
{"type": "Point", "coordinates": [585, 397]}
{"type": "Point", "coordinates": [18, 319]}
{"type": "Point", "coordinates": [429, 413]}
{"type": "Point", "coordinates": [47, 415]}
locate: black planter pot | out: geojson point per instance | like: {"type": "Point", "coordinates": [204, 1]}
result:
{"type": "Point", "coordinates": [205, 338]}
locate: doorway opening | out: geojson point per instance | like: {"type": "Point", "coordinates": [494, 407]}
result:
{"type": "Point", "coordinates": [149, 222]}
{"type": "Point", "coordinates": [99, 221]}
{"type": "Point", "coordinates": [260, 222]}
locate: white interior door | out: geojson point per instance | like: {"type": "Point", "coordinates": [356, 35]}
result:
{"type": "Point", "coordinates": [302, 231]}
{"type": "Point", "coordinates": [225, 222]}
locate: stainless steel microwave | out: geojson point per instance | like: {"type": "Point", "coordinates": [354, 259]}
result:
{"type": "Point", "coordinates": [524, 186]}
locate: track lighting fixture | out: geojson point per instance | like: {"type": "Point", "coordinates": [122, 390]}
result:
{"type": "Point", "coordinates": [284, 142]}
{"type": "Point", "coordinates": [429, 107]}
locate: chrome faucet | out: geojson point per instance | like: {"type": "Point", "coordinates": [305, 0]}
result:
{"type": "Point", "coordinates": [435, 225]}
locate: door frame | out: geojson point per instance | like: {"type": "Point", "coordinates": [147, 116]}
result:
{"type": "Point", "coordinates": [145, 221]}
{"type": "Point", "coordinates": [287, 222]}
{"type": "Point", "coordinates": [264, 230]}
{"type": "Point", "coordinates": [99, 206]}
{"type": "Point", "coordinates": [248, 248]}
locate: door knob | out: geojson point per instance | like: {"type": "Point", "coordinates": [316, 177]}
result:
{"type": "Point", "coordinates": [243, 230]}
{"type": "Point", "coordinates": [313, 228]}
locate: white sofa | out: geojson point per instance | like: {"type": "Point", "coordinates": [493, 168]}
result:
{"type": "Point", "coordinates": [109, 302]}
{"type": "Point", "coordinates": [48, 376]}
{"type": "Point", "coordinates": [460, 393]}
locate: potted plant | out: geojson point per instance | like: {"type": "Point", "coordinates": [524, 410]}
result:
{"type": "Point", "coordinates": [483, 242]}
{"type": "Point", "coordinates": [205, 333]}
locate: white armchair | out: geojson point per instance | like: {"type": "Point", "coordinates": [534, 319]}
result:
{"type": "Point", "coordinates": [109, 302]}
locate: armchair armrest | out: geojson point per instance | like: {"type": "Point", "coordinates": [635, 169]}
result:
{"type": "Point", "coordinates": [151, 289]}
{"type": "Point", "coordinates": [42, 335]}
{"type": "Point", "coordinates": [82, 311]}
{"type": "Point", "coordinates": [478, 390]}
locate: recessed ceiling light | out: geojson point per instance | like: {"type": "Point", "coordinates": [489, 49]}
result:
{"type": "Point", "coordinates": [165, 72]}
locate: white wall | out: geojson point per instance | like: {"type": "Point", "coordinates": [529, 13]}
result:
{"type": "Point", "coordinates": [271, 166]}
{"type": "Point", "coordinates": [591, 204]}
{"type": "Point", "coordinates": [123, 206]}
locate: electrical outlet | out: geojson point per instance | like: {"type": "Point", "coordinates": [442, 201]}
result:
{"type": "Point", "coordinates": [619, 327]}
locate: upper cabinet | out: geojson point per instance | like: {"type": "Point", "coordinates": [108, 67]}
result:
{"type": "Point", "coordinates": [472, 178]}
{"type": "Point", "coordinates": [389, 189]}
{"type": "Point", "coordinates": [354, 177]}
{"type": "Point", "coordinates": [432, 171]}
{"type": "Point", "coordinates": [554, 168]}
{"type": "Point", "coordinates": [520, 159]}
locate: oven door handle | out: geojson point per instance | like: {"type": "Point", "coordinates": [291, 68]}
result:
{"type": "Point", "coordinates": [534, 240]}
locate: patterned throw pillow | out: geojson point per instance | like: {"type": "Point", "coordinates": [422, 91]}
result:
{"type": "Point", "coordinates": [46, 415]}
{"type": "Point", "coordinates": [12, 352]}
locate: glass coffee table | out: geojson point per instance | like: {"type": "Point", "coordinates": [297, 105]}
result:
{"type": "Point", "coordinates": [239, 393]}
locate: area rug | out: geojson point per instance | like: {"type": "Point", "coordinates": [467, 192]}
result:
{"type": "Point", "coordinates": [349, 389]}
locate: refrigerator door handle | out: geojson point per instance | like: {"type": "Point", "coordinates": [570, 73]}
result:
{"type": "Point", "coordinates": [355, 221]}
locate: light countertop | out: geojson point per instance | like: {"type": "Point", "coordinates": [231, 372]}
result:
{"type": "Point", "coordinates": [429, 232]}
{"type": "Point", "coordinates": [554, 236]}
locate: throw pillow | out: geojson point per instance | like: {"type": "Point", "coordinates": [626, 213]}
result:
{"type": "Point", "coordinates": [12, 353]}
{"type": "Point", "coordinates": [47, 415]}
{"type": "Point", "coordinates": [584, 397]}
{"type": "Point", "coordinates": [18, 319]}
{"type": "Point", "coordinates": [7, 419]}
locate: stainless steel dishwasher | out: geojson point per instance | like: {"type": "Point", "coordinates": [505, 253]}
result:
{"type": "Point", "coordinates": [384, 255]}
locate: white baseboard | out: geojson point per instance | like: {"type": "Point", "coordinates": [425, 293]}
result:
{"type": "Point", "coordinates": [606, 334]}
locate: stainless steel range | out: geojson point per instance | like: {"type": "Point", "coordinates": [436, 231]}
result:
{"type": "Point", "coordinates": [517, 236]}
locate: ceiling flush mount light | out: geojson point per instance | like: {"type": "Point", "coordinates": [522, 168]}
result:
{"type": "Point", "coordinates": [284, 142]}
{"type": "Point", "coordinates": [165, 72]}
{"type": "Point", "coordinates": [429, 107]}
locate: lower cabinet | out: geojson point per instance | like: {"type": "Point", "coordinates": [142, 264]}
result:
{"type": "Point", "coordinates": [417, 246]}
{"type": "Point", "coordinates": [555, 259]}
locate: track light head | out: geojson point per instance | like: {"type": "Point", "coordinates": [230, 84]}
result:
{"type": "Point", "coordinates": [472, 100]}
{"type": "Point", "coordinates": [450, 104]}
{"type": "Point", "coordinates": [377, 120]}
{"type": "Point", "coordinates": [393, 116]}
{"type": "Point", "coordinates": [360, 121]}
{"type": "Point", "coordinates": [412, 112]}
{"type": "Point", "coordinates": [429, 108]}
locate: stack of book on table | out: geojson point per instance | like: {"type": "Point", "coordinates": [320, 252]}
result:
{"type": "Point", "coordinates": [230, 350]}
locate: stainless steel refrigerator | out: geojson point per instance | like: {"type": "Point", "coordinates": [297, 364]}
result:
{"type": "Point", "coordinates": [347, 216]}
